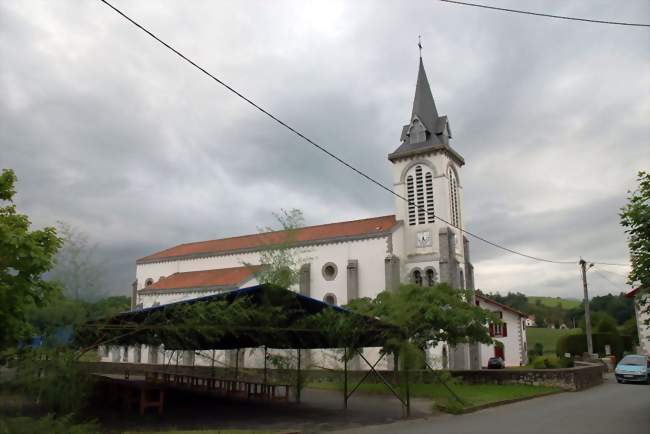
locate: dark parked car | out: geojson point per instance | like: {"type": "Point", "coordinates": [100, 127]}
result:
{"type": "Point", "coordinates": [496, 363]}
{"type": "Point", "coordinates": [633, 368]}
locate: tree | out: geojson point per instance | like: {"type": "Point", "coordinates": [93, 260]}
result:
{"type": "Point", "coordinates": [63, 311]}
{"type": "Point", "coordinates": [77, 270]}
{"type": "Point", "coordinates": [609, 323]}
{"type": "Point", "coordinates": [279, 260]}
{"type": "Point", "coordinates": [24, 257]}
{"type": "Point", "coordinates": [618, 306]}
{"type": "Point", "coordinates": [635, 217]}
{"type": "Point", "coordinates": [629, 328]}
{"type": "Point", "coordinates": [429, 315]}
{"type": "Point", "coordinates": [606, 324]}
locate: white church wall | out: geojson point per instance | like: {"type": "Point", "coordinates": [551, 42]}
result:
{"type": "Point", "coordinates": [149, 299]}
{"type": "Point", "coordinates": [369, 253]}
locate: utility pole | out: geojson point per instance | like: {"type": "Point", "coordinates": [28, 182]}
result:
{"type": "Point", "coordinates": [583, 267]}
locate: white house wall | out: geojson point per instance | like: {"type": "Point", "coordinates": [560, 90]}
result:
{"type": "Point", "coordinates": [515, 346]}
{"type": "Point", "coordinates": [641, 318]}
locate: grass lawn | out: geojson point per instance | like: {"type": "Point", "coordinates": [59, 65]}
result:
{"type": "Point", "coordinates": [552, 302]}
{"type": "Point", "coordinates": [472, 395]}
{"type": "Point", "coordinates": [547, 337]}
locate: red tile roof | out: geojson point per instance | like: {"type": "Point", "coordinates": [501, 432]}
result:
{"type": "Point", "coordinates": [501, 305]}
{"type": "Point", "coordinates": [633, 292]}
{"type": "Point", "coordinates": [306, 235]}
{"type": "Point", "coordinates": [203, 279]}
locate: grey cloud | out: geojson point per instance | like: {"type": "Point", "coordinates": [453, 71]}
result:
{"type": "Point", "coordinates": [112, 133]}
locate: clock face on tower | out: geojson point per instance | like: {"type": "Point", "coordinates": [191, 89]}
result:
{"type": "Point", "coordinates": [423, 239]}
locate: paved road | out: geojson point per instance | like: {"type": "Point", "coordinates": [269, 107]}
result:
{"type": "Point", "coordinates": [611, 408]}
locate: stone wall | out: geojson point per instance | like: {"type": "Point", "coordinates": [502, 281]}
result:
{"type": "Point", "coordinates": [577, 378]}
{"type": "Point", "coordinates": [583, 376]}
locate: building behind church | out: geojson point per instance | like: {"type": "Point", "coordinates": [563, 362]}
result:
{"type": "Point", "coordinates": [346, 260]}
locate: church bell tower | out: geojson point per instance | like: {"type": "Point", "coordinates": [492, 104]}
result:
{"type": "Point", "coordinates": [426, 171]}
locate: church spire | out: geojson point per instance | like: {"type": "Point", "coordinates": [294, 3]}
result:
{"type": "Point", "coordinates": [424, 107]}
{"type": "Point", "coordinates": [427, 130]}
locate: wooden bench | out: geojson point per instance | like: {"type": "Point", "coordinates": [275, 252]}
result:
{"type": "Point", "coordinates": [231, 387]}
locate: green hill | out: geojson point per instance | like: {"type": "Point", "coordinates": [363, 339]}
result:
{"type": "Point", "coordinates": [547, 337]}
{"type": "Point", "coordinates": [553, 301]}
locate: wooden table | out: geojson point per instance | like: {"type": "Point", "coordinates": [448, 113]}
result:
{"type": "Point", "coordinates": [129, 392]}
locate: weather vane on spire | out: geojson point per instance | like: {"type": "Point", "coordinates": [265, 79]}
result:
{"type": "Point", "coordinates": [420, 44]}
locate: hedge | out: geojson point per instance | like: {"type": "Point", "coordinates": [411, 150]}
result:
{"type": "Point", "coordinates": [576, 344]}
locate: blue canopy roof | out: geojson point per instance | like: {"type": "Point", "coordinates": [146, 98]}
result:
{"type": "Point", "coordinates": [174, 326]}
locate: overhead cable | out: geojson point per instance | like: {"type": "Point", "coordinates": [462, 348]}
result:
{"type": "Point", "coordinates": [562, 17]}
{"type": "Point", "coordinates": [323, 149]}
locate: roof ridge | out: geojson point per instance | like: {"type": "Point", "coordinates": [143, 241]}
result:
{"type": "Point", "coordinates": [213, 269]}
{"type": "Point", "coordinates": [259, 238]}
{"type": "Point", "coordinates": [280, 231]}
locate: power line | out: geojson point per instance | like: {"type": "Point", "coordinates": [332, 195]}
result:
{"type": "Point", "coordinates": [614, 285]}
{"type": "Point", "coordinates": [321, 148]}
{"type": "Point", "coordinates": [613, 273]}
{"type": "Point", "coordinates": [562, 17]}
{"type": "Point", "coordinates": [611, 263]}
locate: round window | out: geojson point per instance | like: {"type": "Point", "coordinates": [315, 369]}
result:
{"type": "Point", "coordinates": [329, 271]}
{"type": "Point", "coordinates": [330, 299]}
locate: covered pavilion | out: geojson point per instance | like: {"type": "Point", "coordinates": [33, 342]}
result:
{"type": "Point", "coordinates": [262, 316]}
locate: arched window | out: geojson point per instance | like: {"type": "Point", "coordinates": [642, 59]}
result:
{"type": "Point", "coordinates": [330, 299]}
{"type": "Point", "coordinates": [429, 187]}
{"type": "Point", "coordinates": [410, 194]}
{"type": "Point", "coordinates": [419, 192]}
{"type": "Point", "coordinates": [431, 277]}
{"type": "Point", "coordinates": [462, 280]}
{"type": "Point", "coordinates": [419, 188]}
{"type": "Point", "coordinates": [148, 282]}
{"type": "Point", "coordinates": [417, 277]}
{"type": "Point", "coordinates": [454, 204]}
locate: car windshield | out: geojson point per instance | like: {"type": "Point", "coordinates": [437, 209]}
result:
{"type": "Point", "coordinates": [633, 360]}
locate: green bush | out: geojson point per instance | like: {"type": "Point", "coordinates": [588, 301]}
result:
{"type": "Point", "coordinates": [538, 348]}
{"type": "Point", "coordinates": [566, 362]}
{"type": "Point", "coordinates": [546, 362]}
{"type": "Point", "coordinates": [576, 344]}
{"type": "Point", "coordinates": [54, 379]}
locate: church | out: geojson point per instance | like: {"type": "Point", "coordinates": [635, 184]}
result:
{"type": "Point", "coordinates": [350, 259]}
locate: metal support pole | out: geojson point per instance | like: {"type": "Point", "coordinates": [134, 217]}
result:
{"type": "Point", "coordinates": [298, 380]}
{"type": "Point", "coordinates": [212, 367]}
{"type": "Point", "coordinates": [237, 365]}
{"type": "Point", "coordinates": [345, 378]}
{"type": "Point", "coordinates": [396, 368]}
{"type": "Point", "coordinates": [590, 345]}
{"type": "Point", "coordinates": [408, 394]}
{"type": "Point", "coordinates": [265, 373]}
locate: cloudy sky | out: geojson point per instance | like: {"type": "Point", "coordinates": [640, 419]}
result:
{"type": "Point", "coordinates": [111, 133]}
